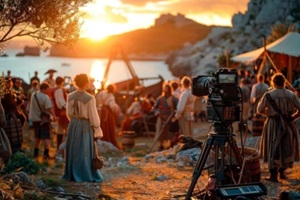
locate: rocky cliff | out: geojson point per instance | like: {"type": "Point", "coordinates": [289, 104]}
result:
{"type": "Point", "coordinates": [247, 32]}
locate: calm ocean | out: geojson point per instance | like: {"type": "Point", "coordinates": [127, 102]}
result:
{"type": "Point", "coordinates": [24, 67]}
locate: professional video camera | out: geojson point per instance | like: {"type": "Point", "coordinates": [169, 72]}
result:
{"type": "Point", "coordinates": [223, 95]}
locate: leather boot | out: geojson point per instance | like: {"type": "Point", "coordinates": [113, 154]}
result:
{"type": "Point", "coordinates": [273, 178]}
{"type": "Point", "coordinates": [36, 152]}
{"type": "Point", "coordinates": [59, 139]}
{"type": "Point", "coordinates": [282, 175]}
{"type": "Point", "coordinates": [46, 154]}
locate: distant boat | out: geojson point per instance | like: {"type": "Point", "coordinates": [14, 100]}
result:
{"type": "Point", "coordinates": [20, 54]}
{"type": "Point", "coordinates": [4, 55]}
{"type": "Point", "coordinates": [32, 51]}
{"type": "Point", "coordinates": [65, 64]}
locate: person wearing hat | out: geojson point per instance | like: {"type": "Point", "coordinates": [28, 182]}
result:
{"type": "Point", "coordinates": [50, 80]}
{"type": "Point", "coordinates": [8, 75]}
{"type": "Point", "coordinates": [35, 77]}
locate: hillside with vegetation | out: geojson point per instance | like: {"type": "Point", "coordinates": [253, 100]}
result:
{"type": "Point", "coordinates": [169, 33]}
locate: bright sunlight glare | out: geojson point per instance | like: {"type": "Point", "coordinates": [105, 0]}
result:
{"type": "Point", "coordinates": [112, 17]}
{"type": "Point", "coordinates": [97, 30]}
{"type": "Point", "coordinates": [97, 72]}
{"type": "Point", "coordinates": [95, 25]}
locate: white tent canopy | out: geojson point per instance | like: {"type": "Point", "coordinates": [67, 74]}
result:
{"type": "Point", "coordinates": [249, 56]}
{"type": "Point", "coordinates": [289, 45]}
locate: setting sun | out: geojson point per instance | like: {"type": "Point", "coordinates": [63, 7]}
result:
{"type": "Point", "coordinates": [103, 18]}
{"type": "Point", "coordinates": [98, 30]}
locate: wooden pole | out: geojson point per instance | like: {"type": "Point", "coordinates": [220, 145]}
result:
{"type": "Point", "coordinates": [227, 58]}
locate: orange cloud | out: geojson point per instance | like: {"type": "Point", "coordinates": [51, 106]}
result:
{"type": "Point", "coordinates": [218, 8]}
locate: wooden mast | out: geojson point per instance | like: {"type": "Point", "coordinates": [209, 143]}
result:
{"type": "Point", "coordinates": [114, 52]}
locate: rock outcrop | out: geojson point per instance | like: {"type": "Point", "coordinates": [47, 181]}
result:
{"type": "Point", "coordinates": [246, 34]}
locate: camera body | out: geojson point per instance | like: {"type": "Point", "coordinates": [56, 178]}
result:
{"type": "Point", "coordinates": [223, 94]}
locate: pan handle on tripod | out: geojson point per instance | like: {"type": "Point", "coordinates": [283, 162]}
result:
{"type": "Point", "coordinates": [186, 139]}
{"type": "Point", "coordinates": [189, 140]}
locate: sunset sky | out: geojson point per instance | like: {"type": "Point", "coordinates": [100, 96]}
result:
{"type": "Point", "coordinates": [108, 17]}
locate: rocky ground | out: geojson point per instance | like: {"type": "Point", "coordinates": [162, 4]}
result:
{"type": "Point", "coordinates": [137, 174]}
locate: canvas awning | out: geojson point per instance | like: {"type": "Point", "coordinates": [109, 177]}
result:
{"type": "Point", "coordinates": [288, 44]}
{"type": "Point", "coordinates": [249, 56]}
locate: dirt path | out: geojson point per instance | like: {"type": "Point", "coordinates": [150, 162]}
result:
{"type": "Point", "coordinates": [147, 178]}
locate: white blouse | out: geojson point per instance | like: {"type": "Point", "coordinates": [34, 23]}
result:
{"type": "Point", "coordinates": [86, 111]}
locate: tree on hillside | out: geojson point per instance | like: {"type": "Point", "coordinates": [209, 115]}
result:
{"type": "Point", "coordinates": [278, 31]}
{"type": "Point", "coordinates": [45, 21]}
{"type": "Point", "coordinates": [224, 60]}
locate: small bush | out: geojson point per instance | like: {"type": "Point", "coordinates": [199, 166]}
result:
{"type": "Point", "coordinates": [20, 162]}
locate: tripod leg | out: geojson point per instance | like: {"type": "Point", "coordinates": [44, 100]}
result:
{"type": "Point", "coordinates": [199, 166]}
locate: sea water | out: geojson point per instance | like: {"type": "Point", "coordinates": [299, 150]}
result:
{"type": "Point", "coordinates": [24, 68]}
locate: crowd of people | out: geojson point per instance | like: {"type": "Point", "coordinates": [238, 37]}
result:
{"type": "Point", "coordinates": [80, 115]}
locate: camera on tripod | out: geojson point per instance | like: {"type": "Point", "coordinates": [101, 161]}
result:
{"type": "Point", "coordinates": [223, 95]}
{"type": "Point", "coordinates": [231, 177]}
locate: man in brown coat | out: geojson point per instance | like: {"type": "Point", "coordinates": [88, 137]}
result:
{"type": "Point", "coordinates": [279, 143]}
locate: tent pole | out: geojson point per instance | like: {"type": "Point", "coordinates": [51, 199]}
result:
{"type": "Point", "coordinates": [262, 64]}
{"type": "Point", "coordinates": [265, 56]}
{"type": "Point", "coordinates": [227, 58]}
{"type": "Point", "coordinates": [286, 80]}
{"type": "Point", "coordinates": [289, 69]}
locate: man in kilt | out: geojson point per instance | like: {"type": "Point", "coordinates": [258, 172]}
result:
{"type": "Point", "coordinates": [13, 127]}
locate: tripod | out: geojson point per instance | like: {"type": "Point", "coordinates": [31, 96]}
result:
{"type": "Point", "coordinates": [223, 135]}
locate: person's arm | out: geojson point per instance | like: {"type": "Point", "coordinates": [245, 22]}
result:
{"type": "Point", "coordinates": [94, 118]}
{"type": "Point", "coordinates": [252, 95]}
{"type": "Point", "coordinates": [181, 104]}
{"type": "Point", "coordinates": [59, 98]}
{"type": "Point", "coordinates": [51, 111]}
{"type": "Point", "coordinates": [49, 107]}
{"type": "Point", "coordinates": [296, 102]}
{"type": "Point", "coordinates": [262, 104]}
{"type": "Point", "coordinates": [156, 106]}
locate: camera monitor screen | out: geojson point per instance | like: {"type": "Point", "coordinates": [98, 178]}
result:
{"type": "Point", "coordinates": [227, 78]}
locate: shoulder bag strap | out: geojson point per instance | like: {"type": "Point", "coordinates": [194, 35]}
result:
{"type": "Point", "coordinates": [273, 104]}
{"type": "Point", "coordinates": [37, 102]}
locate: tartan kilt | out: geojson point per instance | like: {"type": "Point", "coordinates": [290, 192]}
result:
{"type": "Point", "coordinates": [14, 131]}
{"type": "Point", "coordinates": [258, 122]}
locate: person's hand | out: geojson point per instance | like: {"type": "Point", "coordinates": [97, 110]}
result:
{"type": "Point", "coordinates": [2, 121]}
{"type": "Point", "coordinates": [53, 118]}
{"type": "Point", "coordinates": [173, 119]}
{"type": "Point", "coordinates": [295, 116]}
